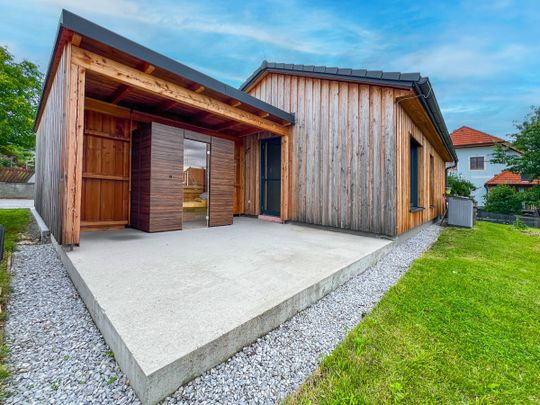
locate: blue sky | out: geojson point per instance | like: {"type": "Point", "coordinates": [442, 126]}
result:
{"type": "Point", "coordinates": [483, 57]}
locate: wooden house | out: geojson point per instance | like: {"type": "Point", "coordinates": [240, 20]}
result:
{"type": "Point", "coordinates": [350, 149]}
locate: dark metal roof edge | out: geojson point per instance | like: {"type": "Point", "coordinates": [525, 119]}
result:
{"type": "Point", "coordinates": [427, 97]}
{"type": "Point", "coordinates": [86, 28]}
{"type": "Point", "coordinates": [294, 70]}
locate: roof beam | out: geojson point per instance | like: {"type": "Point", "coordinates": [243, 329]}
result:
{"type": "Point", "coordinates": [119, 94]}
{"type": "Point", "coordinates": [235, 103]}
{"type": "Point", "coordinates": [225, 125]}
{"type": "Point", "coordinates": [76, 39]}
{"type": "Point", "coordinates": [142, 81]}
{"type": "Point", "coordinates": [164, 106]}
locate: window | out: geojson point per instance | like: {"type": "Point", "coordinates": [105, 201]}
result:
{"type": "Point", "coordinates": [414, 161]}
{"type": "Point", "coordinates": [476, 162]}
{"type": "Point", "coordinates": [431, 181]}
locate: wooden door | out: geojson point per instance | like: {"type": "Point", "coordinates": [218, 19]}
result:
{"type": "Point", "coordinates": [106, 172]}
{"type": "Point", "coordinates": [157, 175]}
{"type": "Point", "coordinates": [222, 173]}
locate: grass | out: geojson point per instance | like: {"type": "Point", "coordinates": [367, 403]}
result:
{"type": "Point", "coordinates": [462, 326]}
{"type": "Point", "coordinates": [15, 221]}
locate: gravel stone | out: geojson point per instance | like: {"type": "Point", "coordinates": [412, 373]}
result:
{"type": "Point", "coordinates": [59, 356]}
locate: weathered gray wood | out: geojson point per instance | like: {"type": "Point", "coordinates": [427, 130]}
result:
{"type": "Point", "coordinates": [389, 164]}
{"type": "Point", "coordinates": [324, 143]}
{"type": "Point", "coordinates": [344, 200]}
{"type": "Point", "coordinates": [301, 153]}
{"type": "Point", "coordinates": [354, 168]}
{"type": "Point", "coordinates": [333, 191]}
{"type": "Point", "coordinates": [364, 144]}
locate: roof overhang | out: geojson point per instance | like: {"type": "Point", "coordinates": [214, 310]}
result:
{"type": "Point", "coordinates": [96, 42]}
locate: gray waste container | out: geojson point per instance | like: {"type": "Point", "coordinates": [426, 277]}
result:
{"type": "Point", "coordinates": [460, 211]}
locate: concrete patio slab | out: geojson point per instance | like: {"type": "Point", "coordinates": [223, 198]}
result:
{"type": "Point", "coordinates": [172, 305]}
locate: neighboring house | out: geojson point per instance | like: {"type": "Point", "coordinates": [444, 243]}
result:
{"type": "Point", "coordinates": [351, 149]}
{"type": "Point", "coordinates": [475, 150]}
{"type": "Point", "coordinates": [511, 179]}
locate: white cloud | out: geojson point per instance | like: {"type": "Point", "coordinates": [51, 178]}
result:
{"type": "Point", "coordinates": [465, 59]}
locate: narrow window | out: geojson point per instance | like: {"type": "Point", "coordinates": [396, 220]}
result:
{"type": "Point", "coordinates": [415, 173]}
{"type": "Point", "coordinates": [476, 162]}
{"type": "Point", "coordinates": [431, 181]}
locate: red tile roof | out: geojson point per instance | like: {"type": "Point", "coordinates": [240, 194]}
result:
{"type": "Point", "coordinates": [466, 137]}
{"type": "Point", "coordinates": [511, 179]}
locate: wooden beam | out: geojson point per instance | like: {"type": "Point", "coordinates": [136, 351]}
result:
{"type": "Point", "coordinates": [248, 132]}
{"type": "Point", "coordinates": [235, 103]}
{"type": "Point", "coordinates": [225, 125]}
{"type": "Point", "coordinates": [76, 39]}
{"type": "Point", "coordinates": [197, 88]}
{"type": "Point", "coordinates": [148, 68]}
{"type": "Point", "coordinates": [112, 109]}
{"type": "Point", "coordinates": [142, 81]}
{"type": "Point", "coordinates": [71, 226]}
{"type": "Point", "coordinates": [119, 94]}
{"type": "Point", "coordinates": [164, 106]}
{"type": "Point", "coordinates": [263, 114]}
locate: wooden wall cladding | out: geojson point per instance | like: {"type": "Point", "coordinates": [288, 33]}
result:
{"type": "Point", "coordinates": [157, 175]}
{"type": "Point", "coordinates": [49, 186]}
{"type": "Point", "coordinates": [407, 220]}
{"type": "Point", "coordinates": [238, 196]}
{"type": "Point", "coordinates": [222, 177]}
{"type": "Point", "coordinates": [342, 164]}
{"type": "Point", "coordinates": [106, 171]}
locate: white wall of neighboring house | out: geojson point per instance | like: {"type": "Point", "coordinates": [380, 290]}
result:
{"type": "Point", "coordinates": [478, 177]}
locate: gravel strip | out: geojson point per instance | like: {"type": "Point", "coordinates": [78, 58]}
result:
{"type": "Point", "coordinates": [60, 356]}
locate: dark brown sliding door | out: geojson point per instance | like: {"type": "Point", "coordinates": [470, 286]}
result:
{"type": "Point", "coordinates": [222, 173]}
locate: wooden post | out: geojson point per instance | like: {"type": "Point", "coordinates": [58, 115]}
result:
{"type": "Point", "coordinates": [73, 152]}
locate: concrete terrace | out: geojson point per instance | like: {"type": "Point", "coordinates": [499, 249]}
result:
{"type": "Point", "coordinates": [172, 305]}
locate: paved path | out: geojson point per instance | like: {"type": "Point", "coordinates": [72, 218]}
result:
{"type": "Point", "coordinates": [12, 203]}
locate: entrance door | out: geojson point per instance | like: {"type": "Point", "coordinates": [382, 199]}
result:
{"type": "Point", "coordinates": [270, 176]}
{"type": "Point", "coordinates": [196, 196]}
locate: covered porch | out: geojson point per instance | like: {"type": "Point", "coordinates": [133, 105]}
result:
{"type": "Point", "coordinates": [116, 125]}
{"type": "Point", "coordinates": [173, 304]}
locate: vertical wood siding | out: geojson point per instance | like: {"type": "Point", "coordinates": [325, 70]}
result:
{"type": "Point", "coordinates": [106, 171]}
{"type": "Point", "coordinates": [222, 172]}
{"type": "Point", "coordinates": [407, 220]}
{"type": "Point", "coordinates": [343, 153]}
{"type": "Point", "coordinates": [51, 134]}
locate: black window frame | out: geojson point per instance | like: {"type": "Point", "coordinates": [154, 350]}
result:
{"type": "Point", "coordinates": [414, 170]}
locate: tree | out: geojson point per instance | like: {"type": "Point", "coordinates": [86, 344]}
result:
{"type": "Point", "coordinates": [504, 199]}
{"type": "Point", "coordinates": [20, 87]}
{"type": "Point", "coordinates": [459, 186]}
{"type": "Point", "coordinates": [527, 140]}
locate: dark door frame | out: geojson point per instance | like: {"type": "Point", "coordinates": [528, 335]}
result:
{"type": "Point", "coordinates": [263, 177]}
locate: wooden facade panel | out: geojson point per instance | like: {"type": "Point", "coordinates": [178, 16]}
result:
{"type": "Point", "coordinates": [222, 175]}
{"type": "Point", "coordinates": [343, 155]}
{"type": "Point", "coordinates": [407, 220]}
{"type": "Point", "coordinates": [51, 135]}
{"type": "Point", "coordinates": [105, 171]}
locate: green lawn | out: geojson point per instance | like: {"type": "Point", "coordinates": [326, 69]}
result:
{"type": "Point", "coordinates": [15, 221]}
{"type": "Point", "coordinates": [462, 326]}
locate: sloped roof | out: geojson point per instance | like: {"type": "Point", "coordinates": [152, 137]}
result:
{"type": "Point", "coordinates": [415, 81]}
{"type": "Point", "coordinates": [70, 22]}
{"type": "Point", "coordinates": [467, 137]}
{"type": "Point", "coordinates": [511, 179]}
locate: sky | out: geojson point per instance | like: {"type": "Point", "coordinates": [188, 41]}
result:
{"type": "Point", "coordinates": [482, 57]}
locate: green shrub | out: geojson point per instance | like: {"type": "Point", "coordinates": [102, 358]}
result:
{"type": "Point", "coordinates": [504, 199]}
{"type": "Point", "coordinates": [459, 186]}
{"type": "Point", "coordinates": [519, 224]}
